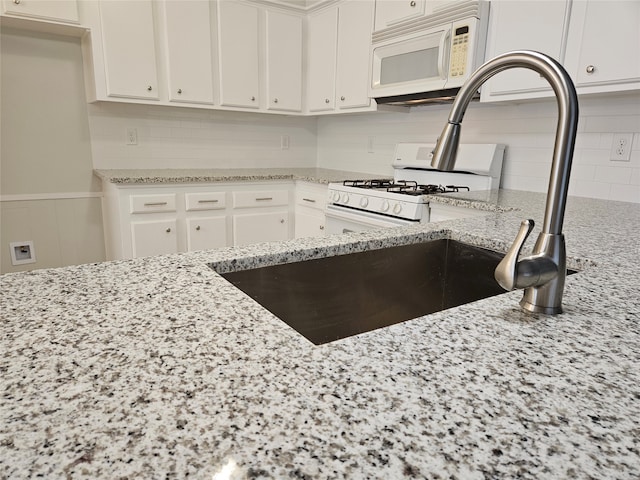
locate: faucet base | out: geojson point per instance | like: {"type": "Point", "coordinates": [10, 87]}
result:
{"type": "Point", "coordinates": [530, 307]}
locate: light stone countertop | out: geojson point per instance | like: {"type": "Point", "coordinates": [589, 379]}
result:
{"type": "Point", "coordinates": [159, 368]}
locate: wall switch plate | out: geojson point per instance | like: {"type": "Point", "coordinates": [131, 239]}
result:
{"type": "Point", "coordinates": [132, 136]}
{"type": "Point", "coordinates": [284, 142]}
{"type": "Point", "coordinates": [621, 147]}
{"type": "Point", "coordinates": [22, 252]}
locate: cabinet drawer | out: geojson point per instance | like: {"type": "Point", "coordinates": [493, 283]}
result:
{"type": "Point", "coordinates": [312, 198]}
{"type": "Point", "coordinates": [153, 203]}
{"type": "Point", "coordinates": [205, 201]}
{"type": "Point", "coordinates": [265, 198]}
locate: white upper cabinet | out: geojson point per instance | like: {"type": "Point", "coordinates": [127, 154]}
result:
{"type": "Point", "coordinates": [322, 38]}
{"type": "Point", "coordinates": [238, 54]}
{"type": "Point", "coordinates": [392, 12]}
{"type": "Point", "coordinates": [598, 43]}
{"type": "Point", "coordinates": [284, 61]}
{"type": "Point", "coordinates": [605, 46]}
{"type": "Point", "coordinates": [187, 42]}
{"type": "Point", "coordinates": [338, 68]}
{"type": "Point", "coordinates": [544, 31]}
{"type": "Point", "coordinates": [65, 11]}
{"type": "Point", "coordinates": [353, 72]}
{"type": "Point", "coordinates": [128, 42]}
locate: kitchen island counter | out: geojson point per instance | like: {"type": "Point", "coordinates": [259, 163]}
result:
{"type": "Point", "coordinates": [157, 367]}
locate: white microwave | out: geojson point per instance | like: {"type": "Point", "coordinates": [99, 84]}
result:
{"type": "Point", "coordinates": [428, 63]}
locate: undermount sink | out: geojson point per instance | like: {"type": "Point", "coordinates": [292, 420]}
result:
{"type": "Point", "coordinates": [332, 298]}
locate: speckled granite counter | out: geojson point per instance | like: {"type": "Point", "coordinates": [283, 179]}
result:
{"type": "Point", "coordinates": [159, 368]}
{"type": "Point", "coordinates": [159, 176]}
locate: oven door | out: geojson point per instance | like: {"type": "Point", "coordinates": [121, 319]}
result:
{"type": "Point", "coordinates": [344, 220]}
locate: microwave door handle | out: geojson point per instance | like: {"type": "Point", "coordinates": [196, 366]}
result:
{"type": "Point", "coordinates": [443, 54]}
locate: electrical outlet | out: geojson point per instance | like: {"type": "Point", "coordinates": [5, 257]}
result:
{"type": "Point", "coordinates": [370, 141]}
{"type": "Point", "coordinates": [132, 136]}
{"type": "Point", "coordinates": [284, 142]}
{"type": "Point", "coordinates": [621, 147]}
{"type": "Point", "coordinates": [22, 252]}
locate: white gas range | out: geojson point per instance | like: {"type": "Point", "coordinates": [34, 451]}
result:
{"type": "Point", "coordinates": [358, 205]}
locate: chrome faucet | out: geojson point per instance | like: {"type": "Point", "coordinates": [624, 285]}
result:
{"type": "Point", "coordinates": [542, 274]}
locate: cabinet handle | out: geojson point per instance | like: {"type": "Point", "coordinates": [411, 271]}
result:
{"type": "Point", "coordinates": [155, 204]}
{"type": "Point", "coordinates": [412, 3]}
{"type": "Point", "coordinates": [309, 200]}
{"type": "Point", "coordinates": [168, 230]}
{"type": "Point", "coordinates": [149, 88]}
{"type": "Point", "coordinates": [261, 199]}
{"type": "Point", "coordinates": [179, 90]}
{"type": "Point", "coordinates": [326, 100]}
{"type": "Point", "coordinates": [198, 228]}
{"type": "Point", "coordinates": [207, 201]}
{"type": "Point", "coordinates": [590, 69]}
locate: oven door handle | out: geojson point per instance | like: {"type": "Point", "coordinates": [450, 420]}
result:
{"type": "Point", "coordinates": [443, 54]}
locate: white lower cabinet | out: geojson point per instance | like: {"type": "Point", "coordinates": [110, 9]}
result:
{"type": "Point", "coordinates": [155, 237]}
{"type": "Point", "coordinates": [260, 227]}
{"type": "Point", "coordinates": [205, 233]}
{"type": "Point", "coordinates": [311, 200]}
{"type": "Point", "coordinates": [161, 219]}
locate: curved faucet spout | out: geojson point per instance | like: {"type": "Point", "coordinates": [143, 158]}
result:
{"type": "Point", "coordinates": [546, 294]}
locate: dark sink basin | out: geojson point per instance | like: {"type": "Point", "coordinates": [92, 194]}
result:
{"type": "Point", "coordinates": [336, 297]}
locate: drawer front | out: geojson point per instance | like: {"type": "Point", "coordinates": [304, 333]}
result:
{"type": "Point", "coordinates": [265, 198]}
{"type": "Point", "coordinates": [205, 201]}
{"type": "Point", "coordinates": [311, 198]}
{"type": "Point", "coordinates": [153, 203]}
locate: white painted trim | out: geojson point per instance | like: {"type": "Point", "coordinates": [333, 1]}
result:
{"type": "Point", "coordinates": [48, 196]}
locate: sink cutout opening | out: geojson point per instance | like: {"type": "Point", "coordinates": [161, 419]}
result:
{"type": "Point", "coordinates": [331, 298]}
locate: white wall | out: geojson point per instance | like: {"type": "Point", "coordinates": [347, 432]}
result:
{"type": "Point", "coordinates": [526, 128]}
{"type": "Point", "coordinates": [175, 137]}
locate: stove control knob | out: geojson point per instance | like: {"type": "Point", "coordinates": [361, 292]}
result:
{"type": "Point", "coordinates": [364, 201]}
{"type": "Point", "coordinates": [397, 208]}
{"type": "Point", "coordinates": [336, 196]}
{"type": "Point", "coordinates": [345, 198]}
{"type": "Point", "coordinates": [385, 206]}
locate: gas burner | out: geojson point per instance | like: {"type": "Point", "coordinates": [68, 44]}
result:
{"type": "Point", "coordinates": [375, 183]}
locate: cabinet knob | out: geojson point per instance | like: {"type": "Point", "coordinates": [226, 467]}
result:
{"type": "Point", "coordinates": [275, 100]}
{"type": "Point", "coordinates": [590, 69]}
{"type": "Point", "coordinates": [253, 99]}
{"type": "Point", "coordinates": [342, 98]}
{"type": "Point", "coordinates": [149, 88]}
{"type": "Point", "coordinates": [17, 2]}
{"type": "Point", "coordinates": [198, 228]}
{"type": "Point", "coordinates": [412, 3]}
{"type": "Point", "coordinates": [179, 90]}
{"type": "Point", "coordinates": [282, 220]}
{"type": "Point", "coordinates": [321, 227]}
{"type": "Point", "coordinates": [326, 100]}
{"type": "Point", "coordinates": [168, 230]}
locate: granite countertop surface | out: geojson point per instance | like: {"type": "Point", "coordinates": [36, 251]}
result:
{"type": "Point", "coordinates": [214, 175]}
{"type": "Point", "coordinates": [159, 368]}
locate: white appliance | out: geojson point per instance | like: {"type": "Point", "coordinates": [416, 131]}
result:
{"type": "Point", "coordinates": [429, 57]}
{"type": "Point", "coordinates": [359, 205]}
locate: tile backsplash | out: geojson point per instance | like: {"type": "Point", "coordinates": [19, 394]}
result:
{"type": "Point", "coordinates": [174, 137]}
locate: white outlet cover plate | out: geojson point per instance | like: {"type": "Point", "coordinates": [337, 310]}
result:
{"type": "Point", "coordinates": [17, 259]}
{"type": "Point", "coordinates": [626, 139]}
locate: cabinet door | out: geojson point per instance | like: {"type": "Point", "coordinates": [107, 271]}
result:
{"type": "Point", "coordinates": [353, 64]}
{"type": "Point", "coordinates": [260, 227]}
{"type": "Point", "coordinates": [205, 233]}
{"type": "Point", "coordinates": [284, 61]}
{"type": "Point", "coordinates": [238, 54]}
{"type": "Point", "coordinates": [155, 237]}
{"type": "Point", "coordinates": [129, 49]}
{"type": "Point", "coordinates": [392, 12]}
{"type": "Point", "coordinates": [309, 224]}
{"type": "Point", "coordinates": [544, 31]}
{"type": "Point", "coordinates": [188, 41]}
{"type": "Point", "coordinates": [56, 10]}
{"type": "Point", "coordinates": [322, 44]}
{"type": "Point", "coordinates": [607, 34]}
